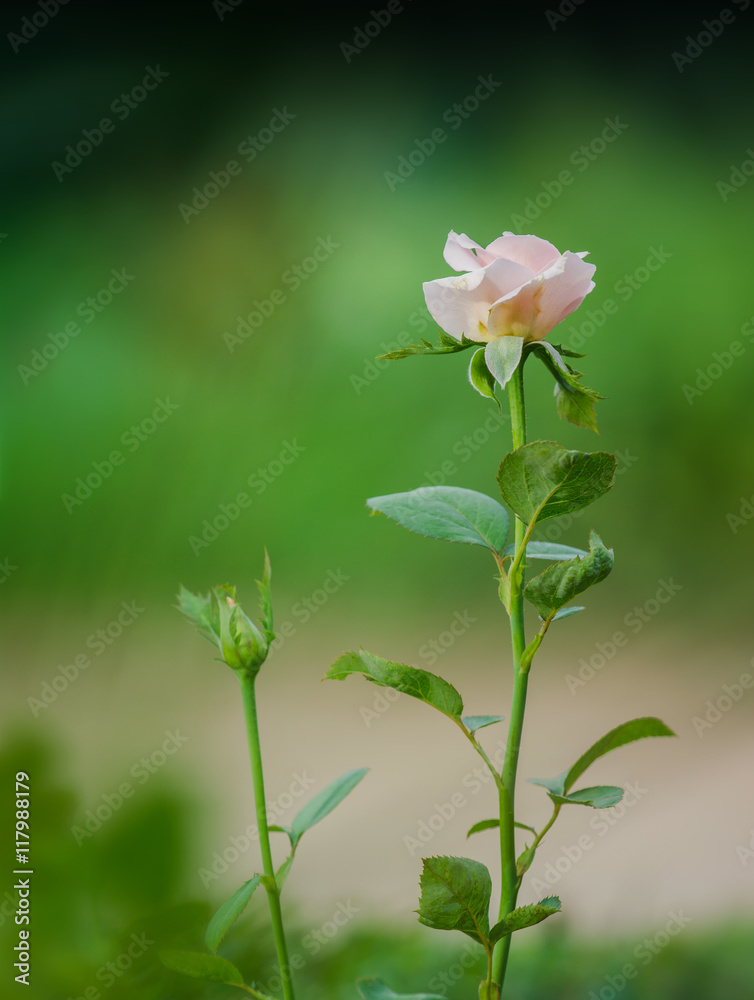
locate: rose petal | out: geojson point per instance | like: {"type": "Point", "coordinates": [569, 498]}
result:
{"type": "Point", "coordinates": [531, 251]}
{"type": "Point", "coordinates": [460, 305]}
{"type": "Point", "coordinates": [459, 254]}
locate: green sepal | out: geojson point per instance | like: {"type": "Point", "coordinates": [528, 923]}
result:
{"type": "Point", "coordinates": [449, 513]}
{"type": "Point", "coordinates": [418, 683]}
{"type": "Point", "coordinates": [228, 913]}
{"type": "Point", "coordinates": [543, 479]}
{"type": "Point", "coordinates": [503, 356]}
{"type": "Point", "coordinates": [574, 400]}
{"type": "Point", "coordinates": [455, 895]}
{"type": "Point", "coordinates": [447, 345]}
{"type": "Point", "coordinates": [196, 964]}
{"type": "Point", "coordinates": [525, 916]}
{"type": "Point", "coordinates": [475, 722]}
{"type": "Point", "coordinates": [481, 377]}
{"type": "Point", "coordinates": [562, 581]}
{"type": "Point", "coordinates": [377, 989]}
{"type": "Point", "coordinates": [628, 732]}
{"type": "Point", "coordinates": [265, 600]}
{"type": "Point", "coordinates": [324, 803]}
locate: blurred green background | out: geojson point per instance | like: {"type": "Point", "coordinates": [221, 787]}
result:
{"type": "Point", "coordinates": [335, 212]}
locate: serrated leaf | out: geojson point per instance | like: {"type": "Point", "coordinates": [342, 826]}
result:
{"type": "Point", "coordinates": [503, 356]}
{"type": "Point", "coordinates": [561, 582]}
{"type": "Point", "coordinates": [493, 824]}
{"type": "Point", "coordinates": [455, 895]}
{"type": "Point", "coordinates": [421, 684]}
{"type": "Point", "coordinates": [548, 551]}
{"type": "Point", "coordinates": [628, 732]}
{"type": "Point", "coordinates": [481, 377]}
{"type": "Point", "coordinates": [598, 797]}
{"type": "Point", "coordinates": [200, 966]}
{"type": "Point", "coordinates": [377, 989]}
{"type": "Point", "coordinates": [542, 479]}
{"type": "Point", "coordinates": [228, 913]}
{"type": "Point", "coordinates": [449, 513]}
{"type": "Point", "coordinates": [525, 916]}
{"type": "Point", "coordinates": [474, 722]}
{"type": "Point", "coordinates": [574, 400]}
{"type": "Point", "coordinates": [324, 803]}
{"type": "Point", "coordinates": [447, 345]}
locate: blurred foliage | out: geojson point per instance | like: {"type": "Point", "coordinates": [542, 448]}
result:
{"type": "Point", "coordinates": [127, 886]}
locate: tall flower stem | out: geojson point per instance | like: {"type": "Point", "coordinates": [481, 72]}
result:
{"type": "Point", "coordinates": [510, 880]}
{"type": "Point", "coordinates": [273, 892]}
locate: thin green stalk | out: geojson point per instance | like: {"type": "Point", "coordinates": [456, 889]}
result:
{"type": "Point", "coordinates": [510, 880]}
{"type": "Point", "coordinates": [273, 893]}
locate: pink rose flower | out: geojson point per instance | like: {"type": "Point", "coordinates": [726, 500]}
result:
{"type": "Point", "coordinates": [518, 286]}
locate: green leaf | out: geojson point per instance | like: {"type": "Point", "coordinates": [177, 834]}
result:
{"type": "Point", "coordinates": [503, 356]}
{"type": "Point", "coordinates": [561, 582]}
{"type": "Point", "coordinates": [573, 609]}
{"type": "Point", "coordinates": [281, 875]}
{"type": "Point", "coordinates": [574, 400]}
{"type": "Point", "coordinates": [542, 480]}
{"type": "Point", "coordinates": [474, 722]}
{"type": "Point", "coordinates": [449, 513]}
{"type": "Point", "coordinates": [447, 345]}
{"type": "Point", "coordinates": [525, 916]}
{"type": "Point", "coordinates": [201, 966]}
{"type": "Point", "coordinates": [493, 824]}
{"type": "Point", "coordinates": [418, 683]}
{"type": "Point", "coordinates": [455, 895]}
{"type": "Point", "coordinates": [228, 913]}
{"type": "Point", "coordinates": [547, 550]}
{"type": "Point", "coordinates": [628, 732]}
{"type": "Point", "coordinates": [377, 989]}
{"type": "Point", "coordinates": [265, 600]}
{"type": "Point", "coordinates": [598, 797]}
{"type": "Point", "coordinates": [324, 803]}
{"type": "Point", "coordinates": [481, 377]}
{"type": "Point", "coordinates": [524, 860]}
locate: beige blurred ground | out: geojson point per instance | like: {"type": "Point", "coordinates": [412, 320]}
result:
{"type": "Point", "coordinates": [674, 849]}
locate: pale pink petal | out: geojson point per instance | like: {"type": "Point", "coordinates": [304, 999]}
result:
{"type": "Point", "coordinates": [531, 251]}
{"type": "Point", "coordinates": [534, 309]}
{"type": "Point", "coordinates": [460, 305]}
{"type": "Point", "coordinates": [459, 253]}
